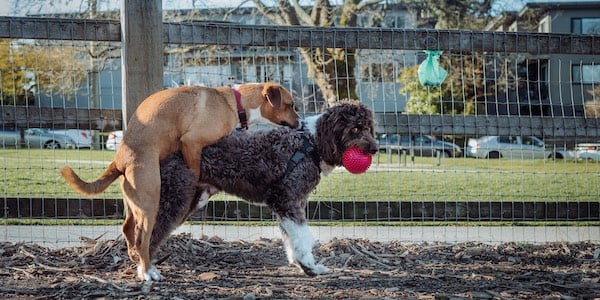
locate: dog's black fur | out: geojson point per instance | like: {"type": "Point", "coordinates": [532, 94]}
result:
{"type": "Point", "coordinates": [279, 168]}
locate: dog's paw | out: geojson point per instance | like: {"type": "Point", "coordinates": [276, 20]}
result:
{"type": "Point", "coordinates": [312, 270]}
{"type": "Point", "coordinates": [151, 275]}
{"type": "Point", "coordinates": [321, 269]}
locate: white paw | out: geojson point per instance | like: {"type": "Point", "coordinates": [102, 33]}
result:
{"type": "Point", "coordinates": [311, 269]}
{"type": "Point", "coordinates": [203, 201]}
{"type": "Point", "coordinates": [151, 275]}
{"type": "Point", "coordinates": [320, 269]}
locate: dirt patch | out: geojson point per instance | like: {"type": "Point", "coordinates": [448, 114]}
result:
{"type": "Point", "coordinates": [213, 269]}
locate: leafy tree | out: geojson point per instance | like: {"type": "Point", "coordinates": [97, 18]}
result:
{"type": "Point", "coordinates": [27, 67]}
{"type": "Point", "coordinates": [15, 84]}
{"type": "Point", "coordinates": [466, 81]}
{"type": "Point", "coordinates": [431, 100]}
{"type": "Point", "coordinates": [56, 67]}
{"type": "Point", "coordinates": [421, 100]}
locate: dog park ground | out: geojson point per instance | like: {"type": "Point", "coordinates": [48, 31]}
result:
{"type": "Point", "coordinates": [210, 268]}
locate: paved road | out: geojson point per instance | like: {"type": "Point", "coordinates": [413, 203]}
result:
{"type": "Point", "coordinates": [63, 236]}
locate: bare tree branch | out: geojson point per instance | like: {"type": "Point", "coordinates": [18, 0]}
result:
{"type": "Point", "coordinates": [364, 4]}
{"type": "Point", "coordinates": [263, 9]}
{"type": "Point", "coordinates": [300, 13]}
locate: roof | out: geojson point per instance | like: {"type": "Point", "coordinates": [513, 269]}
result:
{"type": "Point", "coordinates": [560, 5]}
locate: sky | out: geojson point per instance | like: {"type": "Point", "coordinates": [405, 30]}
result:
{"type": "Point", "coordinates": [22, 7]}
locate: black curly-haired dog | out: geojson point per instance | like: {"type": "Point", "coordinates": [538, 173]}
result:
{"type": "Point", "coordinates": [278, 168]}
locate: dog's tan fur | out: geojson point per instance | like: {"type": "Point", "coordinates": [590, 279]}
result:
{"type": "Point", "coordinates": [186, 119]}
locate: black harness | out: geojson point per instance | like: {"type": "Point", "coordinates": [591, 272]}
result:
{"type": "Point", "coordinates": [308, 149]}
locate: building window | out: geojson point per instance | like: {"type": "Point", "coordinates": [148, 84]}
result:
{"type": "Point", "coordinates": [585, 25]}
{"type": "Point", "coordinates": [393, 21]}
{"type": "Point", "coordinates": [586, 74]}
{"type": "Point", "coordinates": [381, 72]}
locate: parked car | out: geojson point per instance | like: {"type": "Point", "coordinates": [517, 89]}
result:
{"type": "Point", "coordinates": [420, 145]}
{"type": "Point", "coordinates": [114, 139]}
{"type": "Point", "coordinates": [588, 151]}
{"type": "Point", "coordinates": [471, 143]}
{"type": "Point", "coordinates": [513, 147]}
{"type": "Point", "coordinates": [35, 138]}
{"type": "Point", "coordinates": [390, 143]}
{"type": "Point", "coordinates": [82, 138]}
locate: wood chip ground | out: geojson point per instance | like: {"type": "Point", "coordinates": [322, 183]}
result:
{"type": "Point", "coordinates": [210, 268]}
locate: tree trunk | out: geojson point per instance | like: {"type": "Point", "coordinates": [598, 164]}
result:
{"type": "Point", "coordinates": [332, 70]}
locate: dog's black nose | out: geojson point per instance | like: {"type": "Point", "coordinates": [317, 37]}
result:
{"type": "Point", "coordinates": [373, 149]}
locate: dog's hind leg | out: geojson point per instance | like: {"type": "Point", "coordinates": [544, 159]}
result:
{"type": "Point", "coordinates": [142, 189]}
{"type": "Point", "coordinates": [299, 242]}
{"type": "Point", "coordinates": [129, 234]}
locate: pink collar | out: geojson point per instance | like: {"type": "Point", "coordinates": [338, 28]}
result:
{"type": "Point", "coordinates": [241, 111]}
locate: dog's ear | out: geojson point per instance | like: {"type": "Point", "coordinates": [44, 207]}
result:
{"type": "Point", "coordinates": [273, 95]}
{"type": "Point", "coordinates": [327, 139]}
{"type": "Point", "coordinates": [329, 153]}
{"type": "Point", "coordinates": [370, 119]}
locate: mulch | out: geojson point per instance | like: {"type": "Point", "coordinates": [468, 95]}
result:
{"type": "Point", "coordinates": [210, 268]}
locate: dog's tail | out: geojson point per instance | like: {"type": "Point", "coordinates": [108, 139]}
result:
{"type": "Point", "coordinates": [91, 188]}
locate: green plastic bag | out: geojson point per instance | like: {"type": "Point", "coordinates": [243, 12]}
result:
{"type": "Point", "coordinates": [430, 72]}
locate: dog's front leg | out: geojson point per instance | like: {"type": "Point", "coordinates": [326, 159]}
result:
{"type": "Point", "coordinates": [299, 242]}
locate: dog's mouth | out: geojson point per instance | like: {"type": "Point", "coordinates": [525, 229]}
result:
{"type": "Point", "coordinates": [287, 124]}
{"type": "Point", "coordinates": [367, 144]}
{"type": "Point", "coordinates": [370, 151]}
{"type": "Point", "coordinates": [366, 148]}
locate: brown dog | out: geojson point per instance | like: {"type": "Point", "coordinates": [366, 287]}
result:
{"type": "Point", "coordinates": [186, 119]}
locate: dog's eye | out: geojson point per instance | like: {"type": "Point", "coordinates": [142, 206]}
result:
{"type": "Point", "coordinates": [355, 130]}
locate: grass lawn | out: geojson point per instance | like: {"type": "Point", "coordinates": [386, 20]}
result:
{"type": "Point", "coordinates": [469, 179]}
{"type": "Point", "coordinates": [34, 173]}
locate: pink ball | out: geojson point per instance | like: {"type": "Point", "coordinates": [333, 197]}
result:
{"type": "Point", "coordinates": [355, 160]}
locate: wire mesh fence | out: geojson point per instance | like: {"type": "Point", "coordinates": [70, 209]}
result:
{"type": "Point", "coordinates": [509, 136]}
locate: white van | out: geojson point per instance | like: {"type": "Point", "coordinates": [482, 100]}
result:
{"type": "Point", "coordinates": [82, 138]}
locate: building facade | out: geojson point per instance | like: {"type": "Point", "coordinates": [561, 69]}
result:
{"type": "Point", "coordinates": [376, 71]}
{"type": "Point", "coordinates": [555, 84]}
